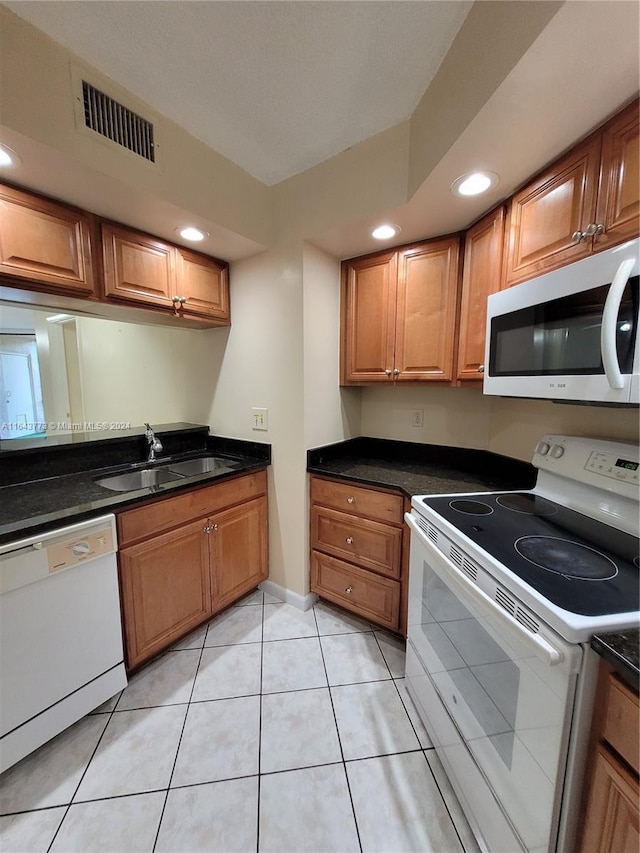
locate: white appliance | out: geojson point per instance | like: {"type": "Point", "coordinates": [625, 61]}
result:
{"type": "Point", "coordinates": [572, 334]}
{"type": "Point", "coordinates": [505, 591]}
{"type": "Point", "coordinates": [60, 633]}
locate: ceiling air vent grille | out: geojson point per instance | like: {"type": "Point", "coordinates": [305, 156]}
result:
{"type": "Point", "coordinates": [118, 123]}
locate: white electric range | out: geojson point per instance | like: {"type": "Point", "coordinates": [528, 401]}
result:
{"type": "Point", "coordinates": [505, 592]}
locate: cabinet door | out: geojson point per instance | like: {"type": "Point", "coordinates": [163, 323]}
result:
{"type": "Point", "coordinates": [619, 193]}
{"type": "Point", "coordinates": [544, 215]}
{"type": "Point", "coordinates": [204, 284]}
{"type": "Point", "coordinates": [166, 589]}
{"type": "Point", "coordinates": [481, 276]}
{"type": "Point", "coordinates": [368, 319]}
{"type": "Point", "coordinates": [612, 814]}
{"type": "Point", "coordinates": [45, 243]}
{"type": "Point", "coordinates": [239, 551]}
{"type": "Point", "coordinates": [137, 268]}
{"type": "Point", "coordinates": [425, 320]}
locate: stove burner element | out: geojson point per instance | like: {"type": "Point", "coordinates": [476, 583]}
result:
{"type": "Point", "coordinates": [527, 504]}
{"type": "Point", "coordinates": [636, 561]}
{"type": "Point", "coordinates": [567, 558]}
{"type": "Point", "coordinates": [471, 507]}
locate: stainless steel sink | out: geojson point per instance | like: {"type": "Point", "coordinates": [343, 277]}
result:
{"type": "Point", "coordinates": [132, 480]}
{"type": "Point", "coordinates": [202, 465]}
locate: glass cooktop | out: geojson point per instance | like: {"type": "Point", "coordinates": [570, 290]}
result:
{"type": "Point", "coordinates": [577, 563]}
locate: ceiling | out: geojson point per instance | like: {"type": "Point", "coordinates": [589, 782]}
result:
{"type": "Point", "coordinates": [276, 87]}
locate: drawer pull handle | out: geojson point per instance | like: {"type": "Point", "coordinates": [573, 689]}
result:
{"type": "Point", "coordinates": [349, 540]}
{"type": "Point", "coordinates": [349, 590]}
{"type": "Point", "coordinates": [351, 500]}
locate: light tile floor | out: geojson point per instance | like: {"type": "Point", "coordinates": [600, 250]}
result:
{"type": "Point", "coordinates": [267, 730]}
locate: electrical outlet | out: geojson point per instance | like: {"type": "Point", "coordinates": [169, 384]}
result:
{"type": "Point", "coordinates": [260, 419]}
{"type": "Point", "coordinates": [417, 417]}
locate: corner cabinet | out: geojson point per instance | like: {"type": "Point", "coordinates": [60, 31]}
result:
{"type": "Point", "coordinates": [358, 553]}
{"type": "Point", "coordinates": [583, 203]}
{"type": "Point", "coordinates": [398, 313]}
{"type": "Point", "coordinates": [140, 269]}
{"type": "Point", "coordinates": [186, 557]}
{"type": "Point", "coordinates": [481, 276]}
{"type": "Point", "coordinates": [46, 245]}
{"type": "Point", "coordinates": [612, 817]}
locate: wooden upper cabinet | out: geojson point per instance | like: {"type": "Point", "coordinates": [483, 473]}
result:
{"type": "Point", "coordinates": [544, 216]}
{"type": "Point", "coordinates": [46, 243]}
{"type": "Point", "coordinates": [137, 267]}
{"type": "Point", "coordinates": [481, 276]}
{"type": "Point", "coordinates": [204, 284]}
{"type": "Point", "coordinates": [618, 207]}
{"type": "Point", "coordinates": [426, 306]}
{"type": "Point", "coordinates": [398, 314]}
{"type": "Point", "coordinates": [368, 315]}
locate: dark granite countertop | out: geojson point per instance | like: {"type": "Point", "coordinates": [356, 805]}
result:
{"type": "Point", "coordinates": [622, 651]}
{"type": "Point", "coordinates": [420, 469]}
{"type": "Point", "coordinates": [45, 487]}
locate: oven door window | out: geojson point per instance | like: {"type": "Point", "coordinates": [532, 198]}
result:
{"type": "Point", "coordinates": [509, 707]}
{"type": "Point", "coordinates": [561, 337]}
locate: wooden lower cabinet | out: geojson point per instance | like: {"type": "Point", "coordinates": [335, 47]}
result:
{"type": "Point", "coordinates": [180, 564]}
{"type": "Point", "coordinates": [358, 550]}
{"type": "Point", "coordinates": [612, 795]}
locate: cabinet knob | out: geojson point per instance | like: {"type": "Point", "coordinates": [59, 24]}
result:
{"type": "Point", "coordinates": [206, 529]}
{"type": "Point", "coordinates": [175, 300]}
{"type": "Point", "coordinates": [594, 229]}
{"type": "Point", "coordinates": [349, 540]}
{"type": "Point", "coordinates": [183, 299]}
{"type": "Point", "coordinates": [349, 590]}
{"type": "Point", "coordinates": [481, 368]}
{"type": "Point", "coordinates": [579, 236]}
{"type": "Point", "coordinates": [210, 528]}
{"type": "Point", "coordinates": [396, 372]}
{"type": "Point", "coordinates": [388, 371]}
{"type": "Point", "coordinates": [351, 500]}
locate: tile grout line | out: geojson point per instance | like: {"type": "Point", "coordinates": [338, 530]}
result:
{"type": "Point", "coordinates": [260, 731]}
{"type": "Point", "coordinates": [184, 723]}
{"type": "Point", "coordinates": [335, 720]}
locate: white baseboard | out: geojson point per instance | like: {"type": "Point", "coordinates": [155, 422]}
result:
{"type": "Point", "coordinates": [302, 602]}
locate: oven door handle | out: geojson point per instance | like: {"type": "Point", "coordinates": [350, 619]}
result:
{"type": "Point", "coordinates": [610, 313]}
{"type": "Point", "coordinates": [454, 577]}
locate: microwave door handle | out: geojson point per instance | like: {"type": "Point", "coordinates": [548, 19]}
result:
{"type": "Point", "coordinates": [609, 321]}
{"type": "Point", "coordinates": [539, 645]}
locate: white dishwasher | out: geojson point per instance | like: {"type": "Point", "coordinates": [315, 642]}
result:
{"type": "Point", "coordinates": [60, 632]}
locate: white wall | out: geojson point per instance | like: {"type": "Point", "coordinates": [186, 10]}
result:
{"type": "Point", "coordinates": [132, 373]}
{"type": "Point", "coordinates": [263, 367]}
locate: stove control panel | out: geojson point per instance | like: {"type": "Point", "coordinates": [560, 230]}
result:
{"type": "Point", "coordinates": [614, 466]}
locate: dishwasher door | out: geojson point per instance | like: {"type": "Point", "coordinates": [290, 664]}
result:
{"type": "Point", "coordinates": [60, 633]}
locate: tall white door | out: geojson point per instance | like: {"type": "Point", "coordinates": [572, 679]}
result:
{"type": "Point", "coordinates": [18, 403]}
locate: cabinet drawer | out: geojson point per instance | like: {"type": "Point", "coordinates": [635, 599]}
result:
{"type": "Point", "coordinates": [370, 544]}
{"type": "Point", "coordinates": [153, 518]}
{"type": "Point", "coordinates": [621, 725]}
{"type": "Point", "coordinates": [358, 590]}
{"type": "Point", "coordinates": [380, 506]}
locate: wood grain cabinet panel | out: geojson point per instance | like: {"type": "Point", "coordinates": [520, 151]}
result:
{"type": "Point", "coordinates": [544, 216]}
{"type": "Point", "coordinates": [481, 276]}
{"type": "Point", "coordinates": [370, 544]}
{"type": "Point", "coordinates": [45, 243]}
{"type": "Point", "coordinates": [166, 590]}
{"type": "Point", "coordinates": [137, 267]}
{"type": "Point", "coordinates": [357, 500]}
{"type": "Point", "coordinates": [611, 798]}
{"type": "Point", "coordinates": [362, 592]}
{"type": "Point", "coordinates": [204, 284]}
{"type": "Point", "coordinates": [619, 192]}
{"type": "Point", "coordinates": [239, 551]}
{"type": "Point", "coordinates": [368, 318]}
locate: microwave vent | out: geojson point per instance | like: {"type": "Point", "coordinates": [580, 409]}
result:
{"type": "Point", "coordinates": [118, 123]}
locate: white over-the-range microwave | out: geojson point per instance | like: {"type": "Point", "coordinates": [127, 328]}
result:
{"type": "Point", "coordinates": [571, 334]}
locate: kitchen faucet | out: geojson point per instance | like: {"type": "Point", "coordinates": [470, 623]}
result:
{"type": "Point", "coordinates": [155, 445]}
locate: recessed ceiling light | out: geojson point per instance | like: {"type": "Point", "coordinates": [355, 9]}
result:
{"type": "Point", "coordinates": [474, 183]}
{"type": "Point", "coordinates": [8, 157]}
{"type": "Point", "coordinates": [188, 232]}
{"type": "Point", "coordinates": [385, 232]}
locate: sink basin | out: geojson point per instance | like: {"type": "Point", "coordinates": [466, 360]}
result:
{"type": "Point", "coordinates": [203, 465]}
{"type": "Point", "coordinates": [132, 480]}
